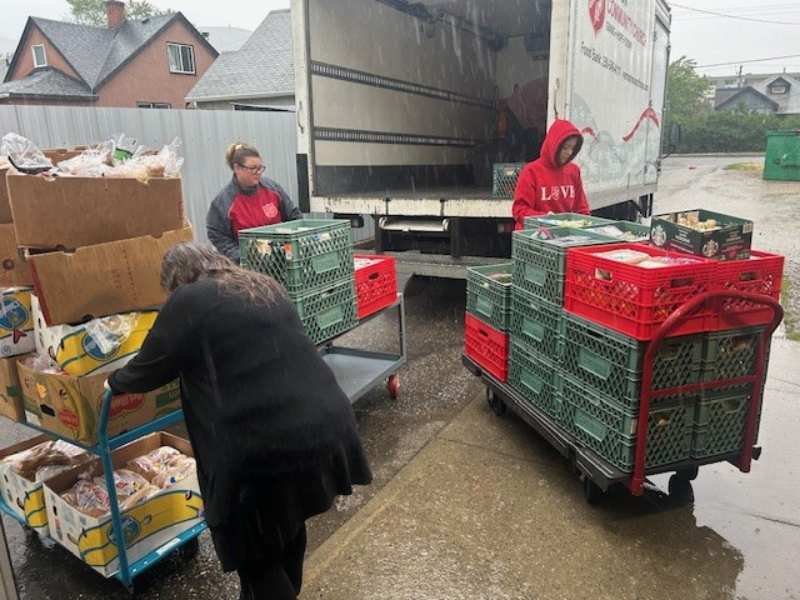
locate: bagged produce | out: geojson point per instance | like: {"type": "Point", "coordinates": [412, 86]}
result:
{"type": "Point", "coordinates": [45, 460]}
{"type": "Point", "coordinates": [24, 155]}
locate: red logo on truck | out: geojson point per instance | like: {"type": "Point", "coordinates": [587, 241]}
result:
{"type": "Point", "coordinates": [597, 12]}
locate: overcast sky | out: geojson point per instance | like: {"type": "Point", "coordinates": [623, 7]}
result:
{"type": "Point", "coordinates": [708, 39]}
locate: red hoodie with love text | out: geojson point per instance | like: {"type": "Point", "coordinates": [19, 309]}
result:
{"type": "Point", "coordinates": [544, 187]}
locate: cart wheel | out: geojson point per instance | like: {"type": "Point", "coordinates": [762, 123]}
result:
{"type": "Point", "coordinates": [689, 474]}
{"type": "Point", "coordinates": [189, 550]}
{"type": "Point", "coordinates": [591, 491]}
{"type": "Point", "coordinates": [393, 385]}
{"type": "Point", "coordinates": [496, 404]}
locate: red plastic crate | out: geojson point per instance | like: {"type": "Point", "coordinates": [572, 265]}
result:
{"type": "Point", "coordinates": [761, 274]}
{"type": "Point", "coordinates": [487, 346]}
{"type": "Point", "coordinates": [376, 283]}
{"type": "Point", "coordinates": [635, 300]}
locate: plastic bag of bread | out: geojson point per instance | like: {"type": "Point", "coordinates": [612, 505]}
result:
{"type": "Point", "coordinates": [45, 460]}
{"type": "Point", "coordinates": [151, 465]}
{"type": "Point", "coordinates": [179, 468]}
{"type": "Point", "coordinates": [90, 497]}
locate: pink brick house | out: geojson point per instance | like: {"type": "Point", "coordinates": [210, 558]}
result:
{"type": "Point", "coordinates": [150, 63]}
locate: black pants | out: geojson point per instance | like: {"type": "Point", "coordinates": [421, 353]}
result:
{"type": "Point", "coordinates": [268, 579]}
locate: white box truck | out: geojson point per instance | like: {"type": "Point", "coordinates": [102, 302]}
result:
{"type": "Point", "coordinates": [404, 109]}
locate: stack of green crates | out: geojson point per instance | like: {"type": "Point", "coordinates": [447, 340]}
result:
{"type": "Point", "coordinates": [489, 294]}
{"type": "Point", "coordinates": [587, 378]}
{"type": "Point", "coordinates": [313, 260]}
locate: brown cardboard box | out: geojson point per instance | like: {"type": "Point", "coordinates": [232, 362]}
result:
{"type": "Point", "coordinates": [71, 212]}
{"type": "Point", "coordinates": [14, 269]}
{"type": "Point", "coordinates": [5, 207]}
{"type": "Point", "coordinates": [106, 279]}
{"type": "Point", "coordinates": [11, 404]}
{"type": "Point", "coordinates": [70, 406]}
{"type": "Point", "coordinates": [148, 526]}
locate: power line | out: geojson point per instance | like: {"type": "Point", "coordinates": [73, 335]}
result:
{"type": "Point", "coordinates": [727, 16]}
{"type": "Point", "coordinates": [743, 62]}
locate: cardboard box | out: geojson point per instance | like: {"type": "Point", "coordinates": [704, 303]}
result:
{"type": "Point", "coordinates": [70, 406]}
{"type": "Point", "coordinates": [5, 207]}
{"type": "Point", "coordinates": [11, 404]}
{"type": "Point", "coordinates": [99, 346]}
{"type": "Point", "coordinates": [71, 212]}
{"type": "Point", "coordinates": [102, 280]}
{"type": "Point", "coordinates": [730, 242]}
{"type": "Point", "coordinates": [14, 269]}
{"type": "Point", "coordinates": [24, 497]}
{"type": "Point", "coordinates": [16, 322]}
{"type": "Point", "coordinates": [148, 526]}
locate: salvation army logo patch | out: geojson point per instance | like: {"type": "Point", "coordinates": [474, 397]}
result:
{"type": "Point", "coordinates": [597, 12]}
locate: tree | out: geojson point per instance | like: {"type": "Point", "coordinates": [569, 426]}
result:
{"type": "Point", "coordinates": [93, 12]}
{"type": "Point", "coordinates": [686, 91]}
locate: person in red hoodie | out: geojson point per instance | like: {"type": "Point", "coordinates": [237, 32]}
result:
{"type": "Point", "coordinates": [552, 183]}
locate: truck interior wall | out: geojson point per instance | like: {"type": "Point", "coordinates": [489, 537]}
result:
{"type": "Point", "coordinates": [412, 102]}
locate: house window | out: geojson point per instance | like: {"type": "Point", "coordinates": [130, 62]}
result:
{"type": "Point", "coordinates": [153, 105]}
{"type": "Point", "coordinates": [39, 56]}
{"type": "Point", "coordinates": [181, 58]}
{"type": "Point", "coordinates": [777, 90]}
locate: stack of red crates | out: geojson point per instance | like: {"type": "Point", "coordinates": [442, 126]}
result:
{"type": "Point", "coordinates": [376, 283]}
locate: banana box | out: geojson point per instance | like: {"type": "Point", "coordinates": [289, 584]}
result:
{"type": "Point", "coordinates": [99, 346]}
{"type": "Point", "coordinates": [11, 403]}
{"type": "Point", "coordinates": [147, 527]}
{"type": "Point", "coordinates": [24, 497]}
{"type": "Point", "coordinates": [69, 406]}
{"type": "Point", "coordinates": [16, 322]}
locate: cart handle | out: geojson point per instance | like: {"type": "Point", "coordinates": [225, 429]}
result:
{"type": "Point", "coordinates": [636, 484]}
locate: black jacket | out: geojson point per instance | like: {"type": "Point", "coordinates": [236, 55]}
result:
{"type": "Point", "coordinates": [262, 408]}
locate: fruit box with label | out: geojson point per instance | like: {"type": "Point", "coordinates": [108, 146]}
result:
{"type": "Point", "coordinates": [147, 526]}
{"type": "Point", "coordinates": [11, 403]}
{"type": "Point", "coordinates": [16, 322]}
{"type": "Point", "coordinates": [24, 497]}
{"type": "Point", "coordinates": [703, 233]}
{"type": "Point", "coordinates": [99, 346]}
{"type": "Point", "coordinates": [70, 406]}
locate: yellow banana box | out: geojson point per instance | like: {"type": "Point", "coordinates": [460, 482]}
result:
{"type": "Point", "coordinates": [24, 497]}
{"type": "Point", "coordinates": [147, 526]}
{"type": "Point", "coordinates": [99, 346]}
{"type": "Point", "coordinates": [69, 406]}
{"type": "Point", "coordinates": [11, 403]}
{"type": "Point", "coordinates": [16, 322]}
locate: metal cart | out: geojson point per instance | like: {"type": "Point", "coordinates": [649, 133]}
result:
{"type": "Point", "coordinates": [186, 542]}
{"type": "Point", "coordinates": [358, 371]}
{"type": "Point", "coordinates": [598, 475]}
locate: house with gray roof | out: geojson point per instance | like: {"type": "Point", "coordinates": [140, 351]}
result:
{"type": "Point", "coordinates": [148, 63]}
{"type": "Point", "coordinates": [772, 94]}
{"type": "Point", "coordinates": [259, 76]}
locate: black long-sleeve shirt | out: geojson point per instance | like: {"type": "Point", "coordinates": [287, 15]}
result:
{"type": "Point", "coordinates": [262, 408]}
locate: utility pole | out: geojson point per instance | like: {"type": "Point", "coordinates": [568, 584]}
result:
{"type": "Point", "coordinates": [741, 79]}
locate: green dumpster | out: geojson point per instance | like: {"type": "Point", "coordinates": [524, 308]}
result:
{"type": "Point", "coordinates": [783, 156]}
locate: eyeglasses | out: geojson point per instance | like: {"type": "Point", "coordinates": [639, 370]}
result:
{"type": "Point", "coordinates": [254, 170]}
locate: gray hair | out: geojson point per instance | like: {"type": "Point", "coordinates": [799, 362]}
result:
{"type": "Point", "coordinates": [189, 262]}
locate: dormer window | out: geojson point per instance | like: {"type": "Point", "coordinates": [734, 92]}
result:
{"type": "Point", "coordinates": [39, 56]}
{"type": "Point", "coordinates": [778, 89]}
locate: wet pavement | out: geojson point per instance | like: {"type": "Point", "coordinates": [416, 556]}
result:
{"type": "Point", "coordinates": [466, 505]}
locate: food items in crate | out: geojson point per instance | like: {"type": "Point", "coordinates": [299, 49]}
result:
{"type": "Point", "coordinates": [163, 467]}
{"type": "Point", "coordinates": [629, 257]}
{"type": "Point", "coordinates": [90, 496]}
{"type": "Point", "coordinates": [692, 221]}
{"type": "Point", "coordinates": [571, 223]}
{"type": "Point", "coordinates": [503, 278]}
{"type": "Point", "coordinates": [613, 231]}
{"type": "Point", "coordinates": [45, 460]}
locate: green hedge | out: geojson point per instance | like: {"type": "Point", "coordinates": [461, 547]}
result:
{"type": "Point", "coordinates": [729, 131]}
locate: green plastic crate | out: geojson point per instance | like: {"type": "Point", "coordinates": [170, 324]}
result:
{"type": "Point", "coordinates": [782, 160]}
{"type": "Point", "coordinates": [537, 325]}
{"type": "Point", "coordinates": [539, 256]}
{"type": "Point", "coordinates": [328, 313]}
{"type": "Point", "coordinates": [636, 231]}
{"type": "Point", "coordinates": [302, 255]}
{"type": "Point", "coordinates": [610, 431]}
{"type": "Point", "coordinates": [504, 179]}
{"type": "Point", "coordinates": [560, 220]}
{"type": "Point", "coordinates": [611, 362]}
{"type": "Point", "coordinates": [720, 421]}
{"type": "Point", "coordinates": [731, 354]}
{"type": "Point", "coordinates": [489, 294]}
{"type": "Point", "coordinates": [537, 380]}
